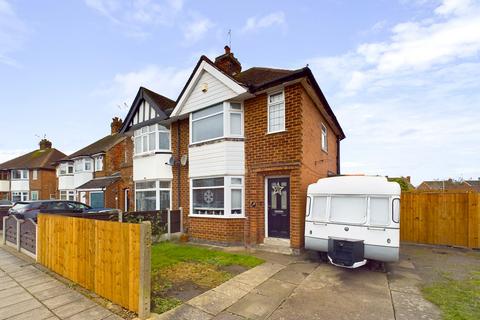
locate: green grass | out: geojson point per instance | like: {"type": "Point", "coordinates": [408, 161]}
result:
{"type": "Point", "coordinates": [166, 254]}
{"type": "Point", "coordinates": [458, 299]}
{"type": "Point", "coordinates": [164, 304]}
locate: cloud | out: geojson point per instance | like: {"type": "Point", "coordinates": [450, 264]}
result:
{"type": "Point", "coordinates": [255, 23]}
{"type": "Point", "coordinates": [410, 104]}
{"type": "Point", "coordinates": [138, 16]}
{"type": "Point", "coordinates": [167, 81]}
{"type": "Point", "coordinates": [196, 30]}
{"type": "Point", "coordinates": [13, 32]}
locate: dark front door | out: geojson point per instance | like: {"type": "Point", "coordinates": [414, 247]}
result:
{"type": "Point", "coordinates": [278, 193]}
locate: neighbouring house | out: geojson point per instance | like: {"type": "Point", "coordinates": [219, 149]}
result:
{"type": "Point", "coordinates": [99, 174]}
{"type": "Point", "coordinates": [445, 185]}
{"type": "Point", "coordinates": [149, 127]}
{"type": "Point", "coordinates": [243, 147]}
{"type": "Point", "coordinates": [32, 175]}
{"type": "Point", "coordinates": [4, 184]}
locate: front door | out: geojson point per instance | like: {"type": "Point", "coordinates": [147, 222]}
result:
{"type": "Point", "coordinates": [278, 200]}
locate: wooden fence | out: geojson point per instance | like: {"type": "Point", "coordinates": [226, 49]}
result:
{"type": "Point", "coordinates": [445, 218]}
{"type": "Point", "coordinates": [109, 258]}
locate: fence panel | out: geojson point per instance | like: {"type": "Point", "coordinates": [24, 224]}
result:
{"type": "Point", "coordinates": [102, 256]}
{"type": "Point", "coordinates": [28, 237]}
{"type": "Point", "coordinates": [10, 230]}
{"type": "Point", "coordinates": [447, 218]}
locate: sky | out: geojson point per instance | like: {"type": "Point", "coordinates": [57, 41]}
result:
{"type": "Point", "coordinates": [401, 76]}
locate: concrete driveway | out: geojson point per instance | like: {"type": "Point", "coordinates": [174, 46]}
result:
{"type": "Point", "coordinates": [299, 288]}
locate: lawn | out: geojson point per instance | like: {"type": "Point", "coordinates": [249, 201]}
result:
{"type": "Point", "coordinates": [180, 272]}
{"type": "Point", "coordinates": [458, 299]}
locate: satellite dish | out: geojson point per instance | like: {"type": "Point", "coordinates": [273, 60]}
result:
{"type": "Point", "coordinates": [171, 161]}
{"type": "Point", "coordinates": [183, 160]}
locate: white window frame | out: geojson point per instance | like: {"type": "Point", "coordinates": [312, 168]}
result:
{"type": "Point", "coordinates": [157, 190]}
{"type": "Point", "coordinates": [79, 164]}
{"type": "Point", "coordinates": [98, 162]}
{"type": "Point", "coordinates": [24, 195]}
{"type": "Point", "coordinates": [34, 174]}
{"type": "Point", "coordinates": [324, 137]}
{"type": "Point", "coordinates": [227, 111]}
{"type": "Point", "coordinates": [69, 195]}
{"type": "Point", "coordinates": [227, 197]}
{"type": "Point", "coordinates": [34, 193]}
{"type": "Point", "coordinates": [23, 174]}
{"type": "Point", "coordinates": [276, 104]}
{"type": "Point", "coordinates": [143, 135]}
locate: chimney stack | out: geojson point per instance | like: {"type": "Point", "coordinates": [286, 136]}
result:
{"type": "Point", "coordinates": [45, 144]}
{"type": "Point", "coordinates": [228, 63]}
{"type": "Point", "coordinates": [116, 125]}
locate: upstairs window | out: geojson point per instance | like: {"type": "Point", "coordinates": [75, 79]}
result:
{"type": "Point", "coordinates": [65, 168]}
{"type": "Point", "coordinates": [324, 138]}
{"type": "Point", "coordinates": [207, 123]}
{"type": "Point", "coordinates": [88, 165]}
{"type": "Point", "coordinates": [276, 112]}
{"type": "Point", "coordinates": [99, 163]}
{"type": "Point", "coordinates": [19, 174]}
{"type": "Point", "coordinates": [34, 175]}
{"type": "Point", "coordinates": [152, 138]}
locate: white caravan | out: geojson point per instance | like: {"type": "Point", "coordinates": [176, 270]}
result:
{"type": "Point", "coordinates": [354, 218]}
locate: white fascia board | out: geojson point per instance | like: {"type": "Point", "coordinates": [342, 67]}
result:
{"type": "Point", "coordinates": [204, 66]}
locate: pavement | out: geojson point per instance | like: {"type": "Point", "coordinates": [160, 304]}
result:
{"type": "Point", "coordinates": [287, 287]}
{"type": "Point", "coordinates": [26, 292]}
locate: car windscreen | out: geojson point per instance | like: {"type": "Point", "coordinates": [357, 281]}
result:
{"type": "Point", "coordinates": [348, 209]}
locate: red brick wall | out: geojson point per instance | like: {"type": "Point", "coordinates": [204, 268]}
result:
{"type": "Point", "coordinates": [184, 181]}
{"type": "Point", "coordinates": [46, 183]}
{"type": "Point", "coordinates": [217, 229]}
{"type": "Point", "coordinates": [277, 154]}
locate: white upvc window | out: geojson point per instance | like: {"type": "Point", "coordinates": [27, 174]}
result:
{"type": "Point", "coordinates": [19, 196]}
{"type": "Point", "coordinates": [34, 175]}
{"type": "Point", "coordinates": [84, 165]}
{"type": "Point", "coordinates": [324, 138]}
{"type": "Point", "coordinates": [88, 164]}
{"type": "Point", "coordinates": [276, 112]}
{"type": "Point", "coordinates": [34, 195]}
{"type": "Point", "coordinates": [79, 165]}
{"type": "Point", "coordinates": [220, 197]}
{"type": "Point", "coordinates": [65, 168]}
{"type": "Point", "coordinates": [67, 195]}
{"type": "Point", "coordinates": [221, 120]}
{"type": "Point", "coordinates": [98, 163]}
{"type": "Point", "coordinates": [19, 174]}
{"type": "Point", "coordinates": [152, 138]}
{"type": "Point", "coordinates": [153, 195]}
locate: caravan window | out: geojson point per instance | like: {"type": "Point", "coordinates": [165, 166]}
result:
{"type": "Point", "coordinates": [379, 211]}
{"type": "Point", "coordinates": [319, 209]}
{"type": "Point", "coordinates": [348, 209]}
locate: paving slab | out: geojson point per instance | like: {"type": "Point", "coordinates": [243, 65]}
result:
{"type": "Point", "coordinates": [29, 293]}
{"type": "Point", "coordinates": [411, 306]}
{"type": "Point", "coordinates": [184, 312]}
{"type": "Point", "coordinates": [212, 302]}
{"type": "Point", "coordinates": [254, 306]}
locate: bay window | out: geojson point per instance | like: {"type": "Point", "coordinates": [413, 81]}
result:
{"type": "Point", "coordinates": [151, 138]}
{"type": "Point", "coordinates": [217, 197]}
{"type": "Point", "coordinates": [65, 168]}
{"type": "Point", "coordinates": [19, 196]}
{"type": "Point", "coordinates": [224, 119]}
{"type": "Point", "coordinates": [152, 195]}
{"type": "Point", "coordinates": [276, 112]}
{"type": "Point", "coordinates": [67, 195]}
{"type": "Point", "coordinates": [19, 174]}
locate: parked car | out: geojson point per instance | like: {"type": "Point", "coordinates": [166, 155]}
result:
{"type": "Point", "coordinates": [30, 209]}
{"type": "Point", "coordinates": [5, 204]}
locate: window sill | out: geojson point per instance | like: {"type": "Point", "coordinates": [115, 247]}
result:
{"type": "Point", "coordinates": [240, 216]}
{"type": "Point", "coordinates": [151, 153]}
{"type": "Point", "coordinates": [274, 132]}
{"type": "Point", "coordinates": [216, 140]}
{"type": "Point", "coordinates": [325, 151]}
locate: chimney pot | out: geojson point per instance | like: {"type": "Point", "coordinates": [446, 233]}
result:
{"type": "Point", "coordinates": [45, 144]}
{"type": "Point", "coordinates": [227, 49]}
{"type": "Point", "coordinates": [116, 125]}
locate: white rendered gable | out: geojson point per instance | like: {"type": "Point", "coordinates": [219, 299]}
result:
{"type": "Point", "coordinates": [208, 87]}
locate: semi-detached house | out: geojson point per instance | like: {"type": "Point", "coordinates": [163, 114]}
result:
{"type": "Point", "coordinates": [100, 173]}
{"type": "Point", "coordinates": [30, 176]}
{"type": "Point", "coordinates": [236, 150]}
